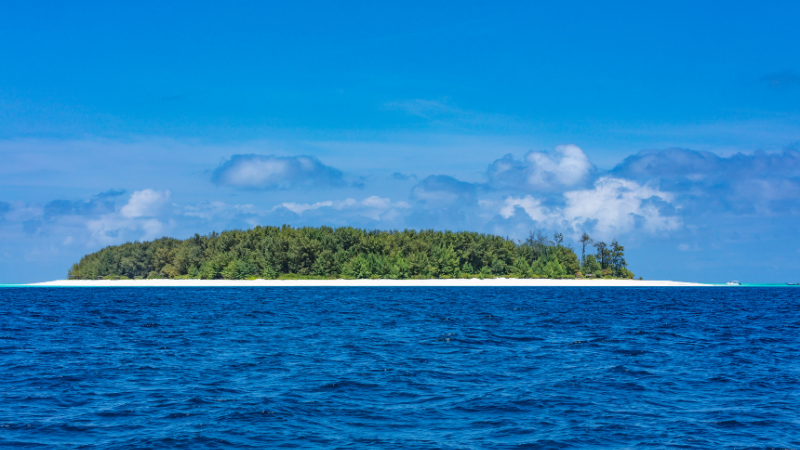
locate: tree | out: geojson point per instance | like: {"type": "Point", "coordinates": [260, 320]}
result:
{"type": "Point", "coordinates": [521, 268]}
{"type": "Point", "coordinates": [585, 240]}
{"type": "Point", "coordinates": [400, 269]}
{"type": "Point", "coordinates": [617, 256]}
{"type": "Point", "coordinates": [592, 266]}
{"type": "Point", "coordinates": [446, 261]}
{"type": "Point", "coordinates": [602, 253]}
{"type": "Point", "coordinates": [234, 270]}
{"type": "Point", "coordinates": [269, 273]}
{"type": "Point", "coordinates": [324, 264]}
{"type": "Point", "coordinates": [567, 258]}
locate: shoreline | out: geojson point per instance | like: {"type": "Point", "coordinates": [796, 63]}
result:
{"type": "Point", "coordinates": [453, 282]}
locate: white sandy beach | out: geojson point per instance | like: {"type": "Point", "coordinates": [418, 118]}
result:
{"type": "Point", "coordinates": [474, 282]}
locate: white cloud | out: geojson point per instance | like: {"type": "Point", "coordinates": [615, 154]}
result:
{"type": "Point", "coordinates": [144, 203]}
{"type": "Point", "coordinates": [276, 172]}
{"type": "Point", "coordinates": [258, 172]}
{"type": "Point", "coordinates": [567, 166]}
{"type": "Point", "coordinates": [618, 206]}
{"type": "Point", "coordinates": [377, 202]}
{"type": "Point", "coordinates": [116, 228]}
{"type": "Point", "coordinates": [612, 206]}
{"type": "Point", "coordinates": [532, 207]}
{"type": "Point", "coordinates": [134, 221]}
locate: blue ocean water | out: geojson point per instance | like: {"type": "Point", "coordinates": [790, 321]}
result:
{"type": "Point", "coordinates": [399, 368]}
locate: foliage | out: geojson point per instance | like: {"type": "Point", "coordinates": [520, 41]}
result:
{"type": "Point", "coordinates": [609, 261]}
{"type": "Point", "coordinates": [322, 253]}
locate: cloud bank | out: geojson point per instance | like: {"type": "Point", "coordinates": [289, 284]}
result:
{"type": "Point", "coordinates": [698, 201]}
{"type": "Point", "coordinates": [651, 193]}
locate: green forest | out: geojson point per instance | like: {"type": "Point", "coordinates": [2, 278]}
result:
{"type": "Point", "coordinates": [325, 253]}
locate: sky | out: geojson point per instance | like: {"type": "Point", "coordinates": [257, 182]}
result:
{"type": "Point", "coordinates": [672, 127]}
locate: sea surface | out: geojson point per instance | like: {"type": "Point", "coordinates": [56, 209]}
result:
{"type": "Point", "coordinates": [399, 368]}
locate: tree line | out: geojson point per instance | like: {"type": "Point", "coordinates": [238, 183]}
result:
{"type": "Point", "coordinates": [324, 252]}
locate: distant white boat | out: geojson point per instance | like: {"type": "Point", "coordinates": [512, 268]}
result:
{"type": "Point", "coordinates": [793, 284]}
{"type": "Point", "coordinates": [733, 283]}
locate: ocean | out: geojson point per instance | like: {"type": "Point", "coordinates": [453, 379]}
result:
{"type": "Point", "coordinates": [399, 368]}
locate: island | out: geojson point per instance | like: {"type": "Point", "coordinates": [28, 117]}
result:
{"type": "Point", "coordinates": [325, 253]}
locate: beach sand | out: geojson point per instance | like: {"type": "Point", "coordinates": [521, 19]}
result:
{"type": "Point", "coordinates": [474, 282]}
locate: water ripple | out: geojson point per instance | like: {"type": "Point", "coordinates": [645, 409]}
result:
{"type": "Point", "coordinates": [395, 368]}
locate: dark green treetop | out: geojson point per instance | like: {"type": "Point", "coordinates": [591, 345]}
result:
{"type": "Point", "coordinates": [324, 252]}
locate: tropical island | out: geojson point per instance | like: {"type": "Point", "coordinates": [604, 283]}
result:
{"type": "Point", "coordinates": [325, 253]}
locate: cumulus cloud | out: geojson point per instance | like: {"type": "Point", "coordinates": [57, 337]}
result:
{"type": "Point", "coordinates": [532, 207]}
{"type": "Point", "coordinates": [114, 228]}
{"type": "Point", "coordinates": [612, 206]}
{"type": "Point", "coordinates": [93, 222]}
{"type": "Point", "coordinates": [759, 182]}
{"type": "Point", "coordinates": [683, 164]}
{"type": "Point", "coordinates": [567, 166]}
{"type": "Point", "coordinates": [616, 205]}
{"type": "Point", "coordinates": [276, 172]}
{"type": "Point", "coordinates": [144, 203]}
{"type": "Point", "coordinates": [136, 220]}
{"type": "Point", "coordinates": [568, 197]}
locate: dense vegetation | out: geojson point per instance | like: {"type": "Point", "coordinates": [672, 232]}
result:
{"type": "Point", "coordinates": [286, 252]}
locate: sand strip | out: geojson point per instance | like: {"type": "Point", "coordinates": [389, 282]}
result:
{"type": "Point", "coordinates": [474, 282]}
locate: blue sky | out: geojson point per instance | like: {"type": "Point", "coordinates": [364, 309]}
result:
{"type": "Point", "coordinates": [674, 128]}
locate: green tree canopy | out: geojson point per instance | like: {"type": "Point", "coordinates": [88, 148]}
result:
{"type": "Point", "coordinates": [274, 252]}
